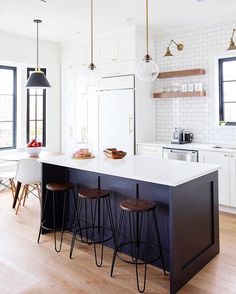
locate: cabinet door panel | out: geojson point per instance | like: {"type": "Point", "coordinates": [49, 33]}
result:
{"type": "Point", "coordinates": [223, 160]}
{"type": "Point", "coordinates": [233, 180]}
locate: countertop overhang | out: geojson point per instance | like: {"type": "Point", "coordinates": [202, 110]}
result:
{"type": "Point", "coordinates": [141, 168]}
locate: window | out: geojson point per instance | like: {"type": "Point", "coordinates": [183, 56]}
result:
{"type": "Point", "coordinates": [36, 112]}
{"type": "Point", "coordinates": [227, 90]}
{"type": "Point", "coordinates": [7, 107]}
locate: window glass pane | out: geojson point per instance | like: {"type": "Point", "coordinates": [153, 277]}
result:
{"type": "Point", "coordinates": [32, 92]}
{"type": "Point", "coordinates": [229, 70]}
{"type": "Point", "coordinates": [32, 107]}
{"type": "Point", "coordinates": [6, 134]}
{"type": "Point", "coordinates": [6, 81]}
{"type": "Point", "coordinates": [6, 108]}
{"type": "Point", "coordinates": [229, 91]}
{"type": "Point", "coordinates": [40, 131]}
{"type": "Point", "coordinates": [230, 112]}
{"type": "Point", "coordinates": [40, 108]}
{"type": "Point", "coordinates": [32, 134]}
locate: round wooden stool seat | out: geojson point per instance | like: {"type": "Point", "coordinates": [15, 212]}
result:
{"type": "Point", "coordinates": [137, 205]}
{"type": "Point", "coordinates": [93, 193]}
{"type": "Point", "coordinates": [58, 187]}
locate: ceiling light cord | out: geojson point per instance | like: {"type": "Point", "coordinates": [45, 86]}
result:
{"type": "Point", "coordinates": [92, 31]}
{"type": "Point", "coordinates": [147, 29]}
{"type": "Point", "coordinates": [37, 48]}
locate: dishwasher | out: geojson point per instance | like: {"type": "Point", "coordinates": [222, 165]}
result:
{"type": "Point", "coordinates": [180, 154]}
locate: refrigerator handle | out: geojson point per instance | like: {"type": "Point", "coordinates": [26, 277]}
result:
{"type": "Point", "coordinates": [130, 124]}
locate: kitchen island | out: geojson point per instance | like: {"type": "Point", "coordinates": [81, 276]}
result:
{"type": "Point", "coordinates": [186, 193]}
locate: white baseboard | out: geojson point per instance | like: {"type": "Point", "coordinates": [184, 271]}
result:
{"type": "Point", "coordinates": [228, 209]}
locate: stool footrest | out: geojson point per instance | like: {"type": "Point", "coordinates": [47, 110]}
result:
{"type": "Point", "coordinates": [133, 260]}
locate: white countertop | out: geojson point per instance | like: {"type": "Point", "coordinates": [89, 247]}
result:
{"type": "Point", "coordinates": [142, 168]}
{"type": "Point", "coordinates": [192, 146]}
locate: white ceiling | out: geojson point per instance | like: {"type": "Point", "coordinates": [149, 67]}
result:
{"type": "Point", "coordinates": [62, 19]}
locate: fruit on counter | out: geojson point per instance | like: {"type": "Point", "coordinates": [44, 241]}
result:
{"type": "Point", "coordinates": [34, 143]}
{"type": "Point", "coordinates": [82, 153]}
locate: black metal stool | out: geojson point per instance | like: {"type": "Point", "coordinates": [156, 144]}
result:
{"type": "Point", "coordinates": [136, 209]}
{"type": "Point", "coordinates": [56, 188]}
{"type": "Point", "coordinates": [94, 230]}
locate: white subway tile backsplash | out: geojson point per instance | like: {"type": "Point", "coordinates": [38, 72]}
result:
{"type": "Point", "coordinates": [196, 114]}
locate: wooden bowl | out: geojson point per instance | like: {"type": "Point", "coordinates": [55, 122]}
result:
{"type": "Point", "coordinates": [114, 153]}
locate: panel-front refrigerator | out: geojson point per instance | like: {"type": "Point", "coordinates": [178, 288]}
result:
{"type": "Point", "coordinates": [116, 113]}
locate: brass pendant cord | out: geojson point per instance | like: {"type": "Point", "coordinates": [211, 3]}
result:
{"type": "Point", "coordinates": [37, 47]}
{"type": "Point", "coordinates": [91, 31]}
{"type": "Point", "coordinates": [147, 23]}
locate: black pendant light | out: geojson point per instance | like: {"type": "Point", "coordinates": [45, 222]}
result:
{"type": "Point", "coordinates": [37, 79]}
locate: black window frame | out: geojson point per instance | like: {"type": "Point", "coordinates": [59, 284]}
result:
{"type": "Point", "coordinates": [14, 69]}
{"type": "Point", "coordinates": [28, 110]}
{"type": "Point", "coordinates": [221, 61]}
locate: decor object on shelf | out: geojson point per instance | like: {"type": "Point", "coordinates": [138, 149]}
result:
{"type": "Point", "coordinates": [179, 47]}
{"type": "Point", "coordinates": [37, 79]}
{"type": "Point", "coordinates": [147, 70]}
{"type": "Point", "coordinates": [92, 71]}
{"type": "Point", "coordinates": [198, 87]}
{"type": "Point", "coordinates": [232, 45]}
{"type": "Point", "coordinates": [190, 87]}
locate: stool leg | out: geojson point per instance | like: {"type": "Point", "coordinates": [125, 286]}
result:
{"type": "Point", "coordinates": [138, 240]}
{"type": "Point", "coordinates": [93, 214]}
{"type": "Point", "coordinates": [108, 202]}
{"type": "Point", "coordinates": [76, 222]}
{"type": "Point", "coordinates": [159, 240]}
{"type": "Point", "coordinates": [117, 241]}
{"type": "Point", "coordinates": [42, 216]}
{"type": "Point", "coordinates": [86, 222]}
{"type": "Point", "coordinates": [54, 222]}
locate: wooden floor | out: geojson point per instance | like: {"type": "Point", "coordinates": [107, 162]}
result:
{"type": "Point", "coordinates": [26, 267]}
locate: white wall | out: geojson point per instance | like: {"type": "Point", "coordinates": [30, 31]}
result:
{"type": "Point", "coordinates": [200, 115]}
{"type": "Point", "coordinates": [20, 51]}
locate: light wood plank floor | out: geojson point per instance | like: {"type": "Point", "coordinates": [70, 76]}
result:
{"type": "Point", "coordinates": [26, 267]}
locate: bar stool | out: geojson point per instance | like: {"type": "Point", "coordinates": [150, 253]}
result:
{"type": "Point", "coordinates": [136, 208]}
{"type": "Point", "coordinates": [95, 230]}
{"type": "Point", "coordinates": [56, 188]}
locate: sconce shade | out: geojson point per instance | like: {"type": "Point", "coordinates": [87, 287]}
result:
{"type": "Point", "coordinates": [37, 80]}
{"type": "Point", "coordinates": [232, 45]}
{"type": "Point", "coordinates": [168, 53]}
{"type": "Point", "coordinates": [179, 47]}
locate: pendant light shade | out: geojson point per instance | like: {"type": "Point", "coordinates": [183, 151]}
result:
{"type": "Point", "coordinates": [232, 45]}
{"type": "Point", "coordinates": [37, 79]}
{"type": "Point", "coordinates": [147, 70]}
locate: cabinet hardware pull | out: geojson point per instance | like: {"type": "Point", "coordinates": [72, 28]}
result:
{"type": "Point", "coordinates": [130, 124]}
{"type": "Point", "coordinates": [226, 155]}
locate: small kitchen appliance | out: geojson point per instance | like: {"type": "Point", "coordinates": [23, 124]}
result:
{"type": "Point", "coordinates": [181, 136]}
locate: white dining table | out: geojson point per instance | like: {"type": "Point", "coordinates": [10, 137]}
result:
{"type": "Point", "coordinates": [19, 155]}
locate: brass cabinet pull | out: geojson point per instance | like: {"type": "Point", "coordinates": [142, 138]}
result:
{"type": "Point", "coordinates": [130, 124]}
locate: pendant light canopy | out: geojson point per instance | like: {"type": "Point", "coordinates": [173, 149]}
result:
{"type": "Point", "coordinates": [37, 79]}
{"type": "Point", "coordinates": [147, 70]}
{"type": "Point", "coordinates": [92, 69]}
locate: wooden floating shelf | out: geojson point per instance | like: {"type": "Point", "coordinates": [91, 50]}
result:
{"type": "Point", "coordinates": [179, 94]}
{"type": "Point", "coordinates": [181, 73]}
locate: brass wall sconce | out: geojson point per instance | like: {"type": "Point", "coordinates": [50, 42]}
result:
{"type": "Point", "coordinates": [232, 45]}
{"type": "Point", "coordinates": [179, 47]}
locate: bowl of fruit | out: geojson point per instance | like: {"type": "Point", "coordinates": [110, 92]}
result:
{"type": "Point", "coordinates": [34, 148]}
